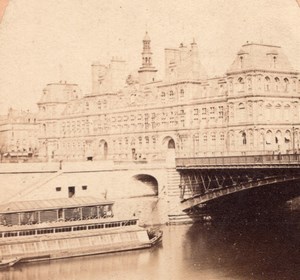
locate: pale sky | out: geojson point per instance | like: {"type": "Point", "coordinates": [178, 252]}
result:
{"type": "Point", "coordinates": [44, 41]}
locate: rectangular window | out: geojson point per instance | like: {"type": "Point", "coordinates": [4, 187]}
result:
{"type": "Point", "coordinates": [71, 191]}
{"type": "Point", "coordinates": [203, 113]}
{"type": "Point", "coordinates": [58, 189]}
{"type": "Point", "coordinates": [84, 188]}
{"type": "Point", "coordinates": [196, 113]}
{"type": "Point", "coordinates": [221, 112]}
{"type": "Point", "coordinates": [212, 112]}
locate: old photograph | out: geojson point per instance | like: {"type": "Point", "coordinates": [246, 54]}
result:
{"type": "Point", "coordinates": [150, 139]}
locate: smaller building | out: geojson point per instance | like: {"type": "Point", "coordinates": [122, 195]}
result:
{"type": "Point", "coordinates": [18, 136]}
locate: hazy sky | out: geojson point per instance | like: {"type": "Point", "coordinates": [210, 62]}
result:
{"type": "Point", "coordinates": [44, 41]}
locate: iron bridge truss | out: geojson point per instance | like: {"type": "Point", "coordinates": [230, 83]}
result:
{"type": "Point", "coordinates": [199, 186]}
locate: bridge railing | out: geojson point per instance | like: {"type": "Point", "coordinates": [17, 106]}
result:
{"type": "Point", "coordinates": [239, 160]}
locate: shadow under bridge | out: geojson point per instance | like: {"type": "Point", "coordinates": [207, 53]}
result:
{"type": "Point", "coordinates": [147, 182]}
{"type": "Point", "coordinates": [212, 184]}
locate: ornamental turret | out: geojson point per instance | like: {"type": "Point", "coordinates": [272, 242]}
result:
{"type": "Point", "coordinates": [147, 72]}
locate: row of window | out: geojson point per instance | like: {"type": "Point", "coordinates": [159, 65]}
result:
{"type": "Point", "coordinates": [67, 229]}
{"type": "Point", "coordinates": [277, 84]}
{"type": "Point", "coordinates": [170, 96]}
{"type": "Point", "coordinates": [139, 121]}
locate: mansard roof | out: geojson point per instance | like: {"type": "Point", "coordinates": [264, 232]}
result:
{"type": "Point", "coordinates": [262, 57]}
{"type": "Point", "coordinates": [61, 92]}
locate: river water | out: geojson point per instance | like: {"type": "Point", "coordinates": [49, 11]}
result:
{"type": "Point", "coordinates": [264, 247]}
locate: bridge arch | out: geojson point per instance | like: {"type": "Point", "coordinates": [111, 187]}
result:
{"type": "Point", "coordinates": [148, 181]}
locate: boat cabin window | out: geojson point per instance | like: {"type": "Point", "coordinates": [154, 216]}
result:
{"type": "Point", "coordinates": [48, 216]}
{"type": "Point", "coordinates": [9, 219]}
{"type": "Point", "coordinates": [79, 228]}
{"type": "Point", "coordinates": [89, 212]}
{"type": "Point", "coordinates": [27, 232]}
{"type": "Point", "coordinates": [72, 214]}
{"type": "Point", "coordinates": [60, 214]}
{"type": "Point", "coordinates": [64, 229]}
{"type": "Point", "coordinates": [105, 211]}
{"type": "Point", "coordinates": [10, 234]}
{"type": "Point", "coordinates": [43, 231]}
{"type": "Point", "coordinates": [28, 218]}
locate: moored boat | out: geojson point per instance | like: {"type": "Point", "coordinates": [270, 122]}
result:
{"type": "Point", "coordinates": [68, 227]}
{"type": "Point", "coordinates": [8, 263]}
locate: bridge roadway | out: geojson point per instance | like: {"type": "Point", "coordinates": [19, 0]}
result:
{"type": "Point", "coordinates": [232, 162]}
{"type": "Point", "coordinates": [203, 180]}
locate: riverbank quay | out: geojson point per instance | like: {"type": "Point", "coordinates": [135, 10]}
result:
{"type": "Point", "coordinates": [148, 190]}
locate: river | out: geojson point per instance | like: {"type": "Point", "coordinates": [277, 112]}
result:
{"type": "Point", "coordinates": [264, 247]}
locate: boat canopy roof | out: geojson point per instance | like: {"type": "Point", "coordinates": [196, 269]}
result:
{"type": "Point", "coordinates": [51, 204]}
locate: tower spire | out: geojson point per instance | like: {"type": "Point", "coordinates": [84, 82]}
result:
{"type": "Point", "coordinates": [146, 54]}
{"type": "Point", "coordinates": [147, 72]}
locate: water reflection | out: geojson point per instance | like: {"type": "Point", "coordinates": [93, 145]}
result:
{"type": "Point", "coordinates": [266, 247]}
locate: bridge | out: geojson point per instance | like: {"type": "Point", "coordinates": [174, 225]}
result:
{"type": "Point", "coordinates": [209, 180]}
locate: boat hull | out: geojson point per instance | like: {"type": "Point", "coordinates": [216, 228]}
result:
{"type": "Point", "coordinates": [60, 246]}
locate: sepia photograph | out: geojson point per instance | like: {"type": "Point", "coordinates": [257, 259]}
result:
{"type": "Point", "coordinates": [150, 140]}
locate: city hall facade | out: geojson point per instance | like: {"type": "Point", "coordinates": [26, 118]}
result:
{"type": "Point", "coordinates": [252, 109]}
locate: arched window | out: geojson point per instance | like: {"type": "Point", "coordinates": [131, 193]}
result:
{"type": "Point", "coordinates": [277, 84]}
{"type": "Point", "coordinates": [269, 137]}
{"type": "Point", "coordinates": [171, 144]}
{"type": "Point", "coordinates": [241, 106]}
{"type": "Point", "coordinates": [287, 112]}
{"type": "Point", "coordinates": [241, 112]}
{"type": "Point", "coordinates": [274, 61]}
{"type": "Point", "coordinates": [241, 61]}
{"type": "Point", "coordinates": [261, 141]}
{"type": "Point", "coordinates": [286, 84]}
{"type": "Point", "coordinates": [244, 138]}
{"type": "Point", "coordinates": [240, 84]}
{"type": "Point", "coordinates": [278, 137]}
{"type": "Point", "coordinates": [287, 137]}
{"type": "Point", "coordinates": [267, 84]}
{"type": "Point", "coordinates": [268, 111]}
{"type": "Point", "coordinates": [277, 111]}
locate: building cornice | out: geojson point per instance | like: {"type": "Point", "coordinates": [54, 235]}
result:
{"type": "Point", "coordinates": [258, 71]}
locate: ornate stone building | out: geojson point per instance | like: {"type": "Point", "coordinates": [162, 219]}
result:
{"type": "Point", "coordinates": [18, 135]}
{"type": "Point", "coordinates": [252, 109]}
